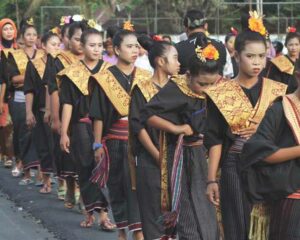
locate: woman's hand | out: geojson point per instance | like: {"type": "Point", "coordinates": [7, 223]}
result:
{"type": "Point", "coordinates": [30, 120]}
{"type": "Point", "coordinates": [213, 194]}
{"type": "Point", "coordinates": [184, 129]}
{"type": "Point", "coordinates": [99, 154]}
{"type": "Point", "coordinates": [65, 143]}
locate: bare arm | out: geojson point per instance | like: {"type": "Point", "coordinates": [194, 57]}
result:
{"type": "Point", "coordinates": [47, 107]}
{"type": "Point", "coordinates": [54, 106]}
{"type": "Point", "coordinates": [98, 131]}
{"type": "Point", "coordinates": [2, 95]}
{"type": "Point", "coordinates": [148, 144]}
{"type": "Point", "coordinates": [164, 125]}
{"type": "Point", "coordinates": [283, 155]}
{"type": "Point", "coordinates": [66, 118]}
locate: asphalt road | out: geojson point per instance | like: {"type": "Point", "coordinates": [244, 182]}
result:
{"type": "Point", "coordinates": [26, 214]}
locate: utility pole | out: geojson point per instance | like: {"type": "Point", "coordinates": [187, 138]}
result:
{"type": "Point", "coordinates": [259, 6]}
{"type": "Point", "coordinates": [155, 18]}
{"type": "Point", "coordinates": [17, 13]}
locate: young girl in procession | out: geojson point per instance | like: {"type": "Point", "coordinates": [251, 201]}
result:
{"type": "Point", "coordinates": [24, 147]}
{"type": "Point", "coordinates": [235, 109]}
{"type": "Point", "coordinates": [281, 68]}
{"type": "Point", "coordinates": [145, 140]}
{"type": "Point", "coordinates": [179, 109]}
{"type": "Point", "coordinates": [229, 43]}
{"type": "Point", "coordinates": [38, 108]}
{"type": "Point", "coordinates": [109, 113]}
{"type": "Point", "coordinates": [8, 36]}
{"type": "Point", "coordinates": [270, 167]}
{"type": "Point", "coordinates": [76, 124]}
{"type": "Point", "coordinates": [65, 165]}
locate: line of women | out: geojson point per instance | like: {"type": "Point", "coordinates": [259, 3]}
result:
{"type": "Point", "coordinates": [146, 137]}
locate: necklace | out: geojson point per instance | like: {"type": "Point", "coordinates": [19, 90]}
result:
{"type": "Point", "coordinates": [128, 78]}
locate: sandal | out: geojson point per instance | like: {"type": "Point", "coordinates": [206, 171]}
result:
{"type": "Point", "coordinates": [45, 189]}
{"type": "Point", "coordinates": [88, 222]}
{"type": "Point", "coordinates": [61, 193]}
{"type": "Point", "coordinates": [107, 226]}
{"type": "Point", "coordinates": [8, 163]}
{"type": "Point", "coordinates": [69, 201]}
{"type": "Point", "coordinates": [25, 182]}
{"type": "Point", "coordinates": [16, 172]}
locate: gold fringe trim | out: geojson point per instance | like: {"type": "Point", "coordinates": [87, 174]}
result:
{"type": "Point", "coordinates": [260, 222]}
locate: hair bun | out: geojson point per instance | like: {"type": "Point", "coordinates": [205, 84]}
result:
{"type": "Point", "coordinates": [146, 42]}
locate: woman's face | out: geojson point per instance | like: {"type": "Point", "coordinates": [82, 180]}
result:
{"type": "Point", "coordinates": [8, 32]}
{"type": "Point", "coordinates": [170, 63]}
{"type": "Point", "coordinates": [293, 47]}
{"type": "Point", "coordinates": [230, 44]}
{"type": "Point", "coordinates": [30, 37]}
{"type": "Point", "coordinates": [202, 81]}
{"type": "Point", "coordinates": [74, 42]}
{"type": "Point", "coordinates": [93, 47]}
{"type": "Point", "coordinates": [52, 45]}
{"type": "Point", "coordinates": [252, 59]}
{"type": "Point", "coordinates": [128, 50]}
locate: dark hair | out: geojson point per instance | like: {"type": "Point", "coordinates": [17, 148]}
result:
{"type": "Point", "coordinates": [228, 36]}
{"type": "Point", "coordinates": [82, 25]}
{"type": "Point", "coordinates": [24, 26]}
{"type": "Point", "coordinates": [120, 35]}
{"type": "Point", "coordinates": [168, 37]}
{"type": "Point", "coordinates": [112, 30]}
{"type": "Point", "coordinates": [278, 46]}
{"type": "Point", "coordinates": [87, 33]}
{"type": "Point", "coordinates": [155, 48]}
{"type": "Point", "coordinates": [194, 19]}
{"type": "Point", "coordinates": [46, 37]}
{"type": "Point", "coordinates": [245, 37]}
{"type": "Point", "coordinates": [196, 66]}
{"type": "Point", "coordinates": [64, 29]}
{"type": "Point", "coordinates": [290, 36]}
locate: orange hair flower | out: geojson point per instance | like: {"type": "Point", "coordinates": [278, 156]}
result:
{"type": "Point", "coordinates": [256, 23]}
{"type": "Point", "coordinates": [207, 53]}
{"type": "Point", "coordinates": [128, 26]}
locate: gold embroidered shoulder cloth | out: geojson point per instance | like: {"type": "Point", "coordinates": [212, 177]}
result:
{"type": "Point", "coordinates": [6, 51]}
{"type": "Point", "coordinates": [115, 92]}
{"type": "Point", "coordinates": [40, 66]}
{"type": "Point", "coordinates": [78, 74]}
{"type": "Point", "coordinates": [21, 60]}
{"type": "Point", "coordinates": [147, 88]}
{"type": "Point", "coordinates": [235, 106]}
{"type": "Point", "coordinates": [67, 58]}
{"type": "Point", "coordinates": [283, 64]}
{"type": "Point", "coordinates": [291, 107]}
{"type": "Point", "coordinates": [181, 82]}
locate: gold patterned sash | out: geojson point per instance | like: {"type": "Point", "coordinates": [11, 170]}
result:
{"type": "Point", "coordinates": [283, 64]}
{"type": "Point", "coordinates": [40, 66]}
{"type": "Point", "coordinates": [79, 74]}
{"type": "Point", "coordinates": [6, 51]}
{"type": "Point", "coordinates": [181, 82]}
{"type": "Point", "coordinates": [147, 88]}
{"type": "Point", "coordinates": [235, 106]}
{"type": "Point", "coordinates": [21, 58]}
{"type": "Point", "coordinates": [291, 107]}
{"type": "Point", "coordinates": [66, 58]}
{"type": "Point", "coordinates": [115, 92]}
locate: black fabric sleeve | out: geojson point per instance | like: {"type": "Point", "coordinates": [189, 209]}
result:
{"type": "Point", "coordinates": [29, 79]}
{"type": "Point", "coordinates": [262, 143]}
{"type": "Point", "coordinates": [215, 127]}
{"type": "Point", "coordinates": [67, 92]}
{"type": "Point", "coordinates": [98, 104]}
{"type": "Point", "coordinates": [136, 105]}
{"type": "Point", "coordinates": [168, 104]}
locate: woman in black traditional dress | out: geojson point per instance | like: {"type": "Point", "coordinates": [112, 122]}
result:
{"type": "Point", "coordinates": [270, 166]}
{"type": "Point", "coordinates": [109, 111]}
{"type": "Point", "coordinates": [179, 108]}
{"type": "Point", "coordinates": [235, 109]}
{"type": "Point", "coordinates": [144, 139]}
{"type": "Point", "coordinates": [38, 108]}
{"type": "Point", "coordinates": [65, 165]}
{"type": "Point", "coordinates": [24, 147]}
{"type": "Point", "coordinates": [76, 124]}
{"type": "Point", "coordinates": [281, 68]}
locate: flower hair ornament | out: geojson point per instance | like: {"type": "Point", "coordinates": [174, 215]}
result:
{"type": "Point", "coordinates": [157, 38]}
{"type": "Point", "coordinates": [291, 30]}
{"type": "Point", "coordinates": [55, 30]}
{"type": "Point", "coordinates": [30, 21]}
{"type": "Point", "coordinates": [65, 20]}
{"type": "Point", "coordinates": [128, 26]}
{"type": "Point", "coordinates": [77, 18]}
{"type": "Point", "coordinates": [256, 23]}
{"type": "Point", "coordinates": [92, 24]}
{"type": "Point", "coordinates": [234, 31]}
{"type": "Point", "coordinates": [207, 53]}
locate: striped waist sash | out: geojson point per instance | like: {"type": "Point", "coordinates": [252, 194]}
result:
{"type": "Point", "coordinates": [118, 131]}
{"type": "Point", "coordinates": [238, 145]}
